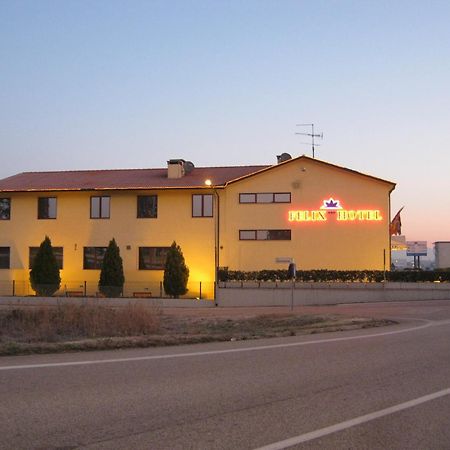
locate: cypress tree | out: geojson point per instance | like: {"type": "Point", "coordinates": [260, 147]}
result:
{"type": "Point", "coordinates": [44, 274]}
{"type": "Point", "coordinates": [111, 276]}
{"type": "Point", "coordinates": [176, 273]}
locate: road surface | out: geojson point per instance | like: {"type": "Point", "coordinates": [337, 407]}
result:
{"type": "Point", "coordinates": [368, 389]}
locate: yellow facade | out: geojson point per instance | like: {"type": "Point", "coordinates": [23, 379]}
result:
{"type": "Point", "coordinates": [319, 244]}
{"type": "Point", "coordinates": [330, 244]}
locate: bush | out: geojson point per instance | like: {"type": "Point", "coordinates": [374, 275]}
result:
{"type": "Point", "coordinates": [343, 276]}
{"type": "Point", "coordinates": [111, 277]}
{"type": "Point", "coordinates": [44, 274]}
{"type": "Point", "coordinates": [176, 273]}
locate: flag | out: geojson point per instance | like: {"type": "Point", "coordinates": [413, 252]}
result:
{"type": "Point", "coordinates": [396, 224]}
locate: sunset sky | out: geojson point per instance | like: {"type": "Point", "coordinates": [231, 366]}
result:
{"type": "Point", "coordinates": [114, 84]}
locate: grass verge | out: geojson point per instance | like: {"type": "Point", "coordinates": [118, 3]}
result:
{"type": "Point", "coordinates": [67, 328]}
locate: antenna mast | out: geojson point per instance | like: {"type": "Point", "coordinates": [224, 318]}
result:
{"type": "Point", "coordinates": [311, 135]}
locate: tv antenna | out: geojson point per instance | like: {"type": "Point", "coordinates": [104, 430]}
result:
{"type": "Point", "coordinates": [312, 135]}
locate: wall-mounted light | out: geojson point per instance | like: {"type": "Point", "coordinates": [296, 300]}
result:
{"type": "Point", "coordinates": [208, 182]}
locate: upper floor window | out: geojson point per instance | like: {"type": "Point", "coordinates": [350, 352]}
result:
{"type": "Point", "coordinates": [5, 208]}
{"type": "Point", "coordinates": [265, 197]}
{"type": "Point", "coordinates": [57, 251]}
{"type": "Point", "coordinates": [265, 235]}
{"type": "Point", "coordinates": [100, 207]}
{"type": "Point", "coordinates": [202, 205]}
{"type": "Point", "coordinates": [152, 258]}
{"type": "Point", "coordinates": [47, 208]}
{"type": "Point", "coordinates": [93, 257]}
{"type": "Point", "coordinates": [147, 206]}
{"type": "Point", "coordinates": [4, 257]}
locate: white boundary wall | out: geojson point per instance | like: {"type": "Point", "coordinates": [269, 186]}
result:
{"type": "Point", "coordinates": [280, 294]}
{"type": "Point", "coordinates": [267, 294]}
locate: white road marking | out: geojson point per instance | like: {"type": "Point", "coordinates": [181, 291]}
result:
{"type": "Point", "coordinates": [352, 422]}
{"type": "Point", "coordinates": [215, 352]}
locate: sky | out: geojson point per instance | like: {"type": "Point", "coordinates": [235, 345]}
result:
{"type": "Point", "coordinates": [131, 84]}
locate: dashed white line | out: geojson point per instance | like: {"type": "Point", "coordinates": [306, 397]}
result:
{"type": "Point", "coordinates": [214, 352]}
{"type": "Point", "coordinates": [352, 422]}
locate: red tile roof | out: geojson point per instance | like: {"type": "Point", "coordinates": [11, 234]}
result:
{"type": "Point", "coordinates": [122, 179]}
{"type": "Point", "coordinates": [144, 178]}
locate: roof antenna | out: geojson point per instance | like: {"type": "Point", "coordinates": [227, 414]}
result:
{"type": "Point", "coordinates": [312, 135]}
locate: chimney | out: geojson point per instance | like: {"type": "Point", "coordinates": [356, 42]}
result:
{"type": "Point", "coordinates": [175, 168]}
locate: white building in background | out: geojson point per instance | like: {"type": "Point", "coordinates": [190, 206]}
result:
{"type": "Point", "coordinates": [442, 254]}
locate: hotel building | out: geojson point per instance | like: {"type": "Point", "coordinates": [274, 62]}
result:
{"type": "Point", "coordinates": [321, 215]}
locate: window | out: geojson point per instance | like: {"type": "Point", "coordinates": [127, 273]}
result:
{"type": "Point", "coordinates": [147, 206]}
{"type": "Point", "coordinates": [247, 235]}
{"type": "Point", "coordinates": [202, 205]}
{"type": "Point", "coordinates": [47, 208]}
{"type": "Point", "coordinates": [265, 197]}
{"type": "Point", "coordinates": [282, 197]}
{"type": "Point", "coordinates": [93, 257]}
{"type": "Point", "coordinates": [265, 235]}
{"type": "Point", "coordinates": [100, 207]}
{"type": "Point", "coordinates": [4, 257]}
{"type": "Point", "coordinates": [57, 251]}
{"type": "Point", "coordinates": [247, 198]}
{"type": "Point", "coordinates": [152, 258]}
{"type": "Point", "coordinates": [5, 208]}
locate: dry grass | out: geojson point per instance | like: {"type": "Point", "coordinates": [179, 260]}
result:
{"type": "Point", "coordinates": [66, 322]}
{"type": "Point", "coordinates": [95, 327]}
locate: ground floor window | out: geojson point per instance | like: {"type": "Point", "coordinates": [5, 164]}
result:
{"type": "Point", "coordinates": [265, 235]}
{"type": "Point", "coordinates": [4, 257]}
{"type": "Point", "coordinates": [57, 251]}
{"type": "Point", "coordinates": [152, 258]}
{"type": "Point", "coordinates": [93, 257]}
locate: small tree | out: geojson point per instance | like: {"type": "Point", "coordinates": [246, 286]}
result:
{"type": "Point", "coordinates": [111, 277]}
{"type": "Point", "coordinates": [176, 273]}
{"type": "Point", "coordinates": [44, 274]}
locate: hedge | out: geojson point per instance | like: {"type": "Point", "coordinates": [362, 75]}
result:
{"type": "Point", "coordinates": [344, 276]}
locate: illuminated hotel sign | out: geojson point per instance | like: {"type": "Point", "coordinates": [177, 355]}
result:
{"type": "Point", "coordinates": [334, 207]}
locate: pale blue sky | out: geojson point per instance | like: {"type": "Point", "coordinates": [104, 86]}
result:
{"type": "Point", "coordinates": [109, 84]}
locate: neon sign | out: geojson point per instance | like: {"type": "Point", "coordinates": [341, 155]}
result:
{"type": "Point", "coordinates": [332, 206]}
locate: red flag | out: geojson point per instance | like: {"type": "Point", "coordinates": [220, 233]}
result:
{"type": "Point", "coordinates": [396, 225]}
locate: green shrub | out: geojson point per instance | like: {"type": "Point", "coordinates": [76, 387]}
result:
{"type": "Point", "coordinates": [339, 276]}
{"type": "Point", "coordinates": [111, 277]}
{"type": "Point", "coordinates": [44, 274]}
{"type": "Point", "coordinates": [176, 273]}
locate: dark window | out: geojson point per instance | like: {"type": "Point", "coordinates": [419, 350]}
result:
{"type": "Point", "coordinates": [100, 207]}
{"type": "Point", "coordinates": [4, 257]}
{"type": "Point", "coordinates": [47, 208]}
{"type": "Point", "coordinates": [265, 235]}
{"type": "Point", "coordinates": [93, 257]}
{"type": "Point", "coordinates": [5, 208]}
{"type": "Point", "coordinates": [152, 258]}
{"type": "Point", "coordinates": [265, 197]}
{"type": "Point", "coordinates": [202, 205]}
{"type": "Point", "coordinates": [147, 206]}
{"type": "Point", "coordinates": [57, 251]}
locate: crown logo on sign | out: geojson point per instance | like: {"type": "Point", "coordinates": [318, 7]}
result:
{"type": "Point", "coordinates": [331, 204]}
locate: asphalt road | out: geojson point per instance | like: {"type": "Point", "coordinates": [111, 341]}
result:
{"type": "Point", "coordinates": [386, 388]}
